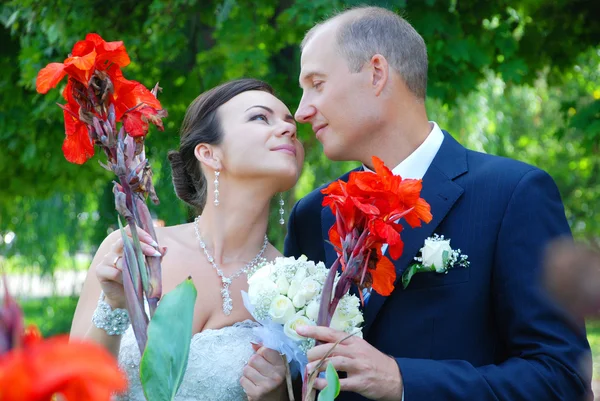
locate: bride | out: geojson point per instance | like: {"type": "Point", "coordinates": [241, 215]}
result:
{"type": "Point", "coordinates": [238, 149]}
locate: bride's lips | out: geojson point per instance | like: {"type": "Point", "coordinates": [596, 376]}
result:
{"type": "Point", "coordinates": [289, 149]}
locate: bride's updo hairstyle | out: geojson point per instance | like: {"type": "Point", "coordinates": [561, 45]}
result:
{"type": "Point", "coordinates": [201, 124]}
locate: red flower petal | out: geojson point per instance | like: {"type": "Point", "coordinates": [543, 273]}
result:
{"type": "Point", "coordinates": [134, 124]}
{"type": "Point", "coordinates": [49, 77]}
{"type": "Point", "coordinates": [335, 238]}
{"type": "Point", "coordinates": [31, 336]}
{"type": "Point", "coordinates": [77, 146]}
{"type": "Point", "coordinates": [421, 212]}
{"type": "Point", "coordinates": [364, 207]}
{"type": "Point", "coordinates": [129, 94]}
{"type": "Point", "coordinates": [95, 39]}
{"type": "Point", "coordinates": [82, 48]}
{"type": "Point", "coordinates": [383, 276]}
{"type": "Point", "coordinates": [81, 68]}
{"type": "Point", "coordinates": [113, 52]}
{"type": "Point", "coordinates": [380, 168]}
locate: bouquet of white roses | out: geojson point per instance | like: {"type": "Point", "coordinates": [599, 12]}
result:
{"type": "Point", "coordinates": [285, 294]}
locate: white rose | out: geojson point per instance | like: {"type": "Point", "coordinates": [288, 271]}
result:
{"type": "Point", "coordinates": [296, 321]}
{"type": "Point", "coordinates": [300, 273]}
{"type": "Point", "coordinates": [293, 288]}
{"type": "Point", "coordinates": [281, 309]}
{"type": "Point", "coordinates": [432, 253]}
{"type": "Point", "coordinates": [296, 282]}
{"type": "Point", "coordinates": [346, 321]}
{"type": "Point", "coordinates": [342, 314]}
{"type": "Point", "coordinates": [310, 288]}
{"type": "Point", "coordinates": [312, 310]}
{"type": "Point", "coordinates": [259, 289]}
{"type": "Point", "coordinates": [347, 325]}
{"type": "Point", "coordinates": [340, 324]}
{"type": "Point", "coordinates": [282, 285]}
{"type": "Point", "coordinates": [261, 274]}
{"type": "Point", "coordinates": [299, 300]}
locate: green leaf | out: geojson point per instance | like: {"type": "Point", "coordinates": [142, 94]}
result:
{"type": "Point", "coordinates": [445, 256]}
{"type": "Point", "coordinates": [169, 335]}
{"type": "Point", "coordinates": [408, 273]}
{"type": "Point", "coordinates": [332, 390]}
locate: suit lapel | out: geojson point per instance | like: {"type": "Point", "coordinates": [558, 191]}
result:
{"type": "Point", "coordinates": [441, 192]}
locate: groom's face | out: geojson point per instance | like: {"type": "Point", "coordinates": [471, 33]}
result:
{"type": "Point", "coordinates": [335, 101]}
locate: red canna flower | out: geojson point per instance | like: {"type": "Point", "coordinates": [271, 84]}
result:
{"type": "Point", "coordinates": [95, 83]}
{"type": "Point", "coordinates": [368, 209]}
{"type": "Point", "coordinates": [34, 369]}
{"type": "Point", "coordinates": [98, 97]}
{"type": "Point", "coordinates": [44, 368]}
{"type": "Point", "coordinates": [86, 56]}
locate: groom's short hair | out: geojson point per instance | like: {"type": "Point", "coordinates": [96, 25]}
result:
{"type": "Point", "coordinates": [366, 31]}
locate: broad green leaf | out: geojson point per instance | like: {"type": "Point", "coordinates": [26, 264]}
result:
{"type": "Point", "coordinates": [169, 335]}
{"type": "Point", "coordinates": [332, 390]}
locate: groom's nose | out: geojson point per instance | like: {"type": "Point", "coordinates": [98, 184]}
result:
{"type": "Point", "coordinates": [305, 112]}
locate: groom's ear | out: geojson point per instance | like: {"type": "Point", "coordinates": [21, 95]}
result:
{"type": "Point", "coordinates": [208, 155]}
{"type": "Point", "coordinates": [380, 71]}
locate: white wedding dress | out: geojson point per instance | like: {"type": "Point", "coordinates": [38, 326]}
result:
{"type": "Point", "coordinates": [215, 364]}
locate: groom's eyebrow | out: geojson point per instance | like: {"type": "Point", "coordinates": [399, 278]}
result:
{"type": "Point", "coordinates": [288, 117]}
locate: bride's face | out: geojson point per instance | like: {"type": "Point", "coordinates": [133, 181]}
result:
{"type": "Point", "coordinates": [259, 139]}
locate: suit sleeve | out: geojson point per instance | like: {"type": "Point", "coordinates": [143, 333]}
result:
{"type": "Point", "coordinates": [549, 358]}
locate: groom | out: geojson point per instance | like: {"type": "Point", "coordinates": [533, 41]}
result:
{"type": "Point", "coordinates": [486, 332]}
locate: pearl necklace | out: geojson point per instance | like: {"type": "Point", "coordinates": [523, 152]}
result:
{"type": "Point", "coordinates": [227, 302]}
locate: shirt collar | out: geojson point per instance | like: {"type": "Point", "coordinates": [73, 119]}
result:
{"type": "Point", "coordinates": [416, 164]}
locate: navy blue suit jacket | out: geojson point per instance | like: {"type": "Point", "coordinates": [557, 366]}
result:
{"type": "Point", "coordinates": [487, 332]}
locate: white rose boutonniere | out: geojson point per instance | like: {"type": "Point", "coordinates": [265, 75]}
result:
{"type": "Point", "coordinates": [436, 255]}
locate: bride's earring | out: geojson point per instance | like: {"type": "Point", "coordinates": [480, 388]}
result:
{"type": "Point", "coordinates": [216, 182]}
{"type": "Point", "coordinates": [281, 211]}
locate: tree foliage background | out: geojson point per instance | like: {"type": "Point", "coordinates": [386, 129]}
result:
{"type": "Point", "coordinates": [516, 78]}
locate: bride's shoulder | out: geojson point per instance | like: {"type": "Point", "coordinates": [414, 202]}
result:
{"type": "Point", "coordinates": [176, 236]}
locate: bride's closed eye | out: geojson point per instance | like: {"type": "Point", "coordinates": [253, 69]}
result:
{"type": "Point", "coordinates": [259, 117]}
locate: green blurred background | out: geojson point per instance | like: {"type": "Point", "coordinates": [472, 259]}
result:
{"type": "Point", "coordinates": [514, 78]}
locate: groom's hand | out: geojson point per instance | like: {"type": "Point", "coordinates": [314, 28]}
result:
{"type": "Point", "coordinates": [263, 378]}
{"type": "Point", "coordinates": [370, 373]}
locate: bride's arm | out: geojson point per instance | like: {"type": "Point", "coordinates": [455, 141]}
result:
{"type": "Point", "coordinates": [105, 276]}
